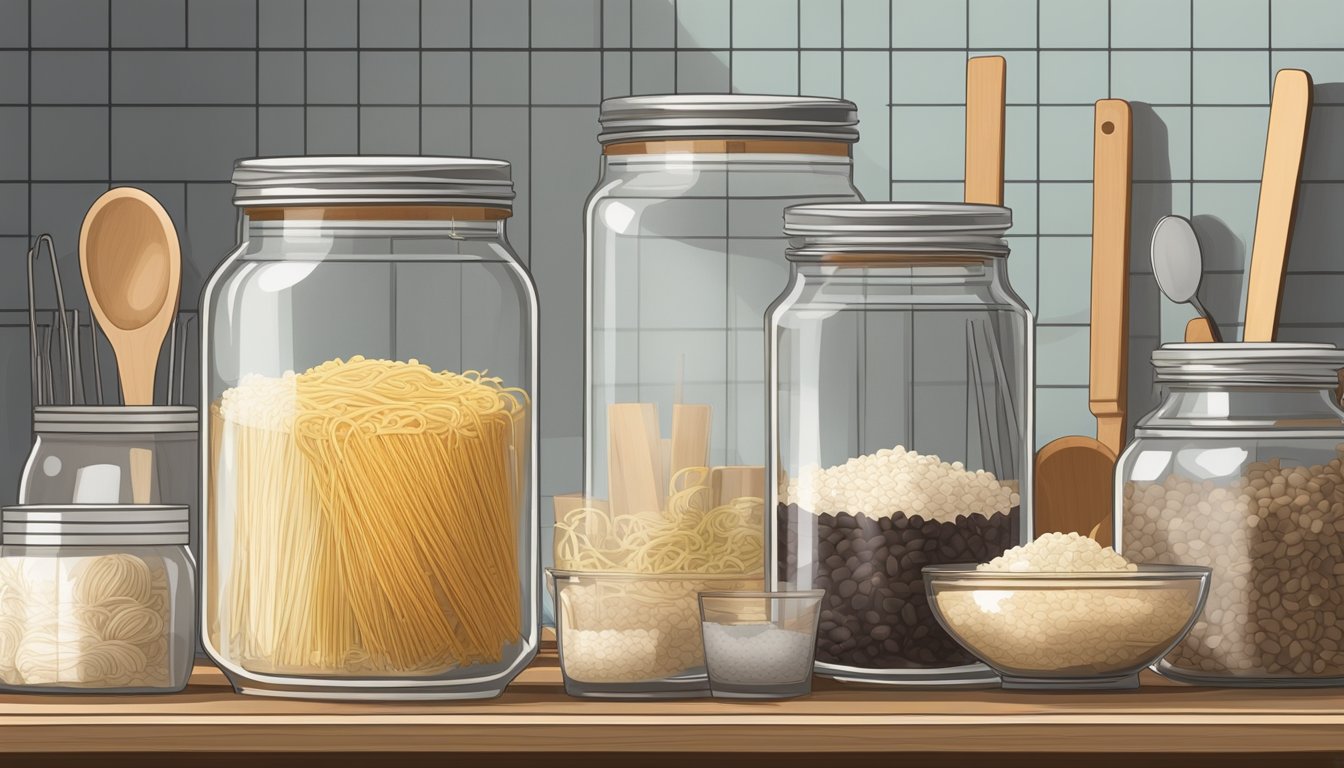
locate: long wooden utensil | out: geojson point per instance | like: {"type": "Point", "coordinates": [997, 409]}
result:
{"type": "Point", "coordinates": [1289, 114]}
{"type": "Point", "coordinates": [985, 83]}
{"type": "Point", "coordinates": [1075, 475]}
{"type": "Point", "coordinates": [131, 261]}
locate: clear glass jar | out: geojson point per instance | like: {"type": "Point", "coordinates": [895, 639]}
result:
{"type": "Point", "coordinates": [96, 599]}
{"type": "Point", "coordinates": [1241, 469]}
{"type": "Point", "coordinates": [901, 424]}
{"type": "Point", "coordinates": [370, 370]}
{"type": "Point", "coordinates": [683, 257]}
{"type": "Point", "coordinates": [81, 455]}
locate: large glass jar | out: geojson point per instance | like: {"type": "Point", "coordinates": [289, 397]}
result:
{"type": "Point", "coordinates": [901, 412]}
{"type": "Point", "coordinates": [370, 372]}
{"type": "Point", "coordinates": [1241, 469]}
{"type": "Point", "coordinates": [96, 599]}
{"type": "Point", "coordinates": [683, 257]}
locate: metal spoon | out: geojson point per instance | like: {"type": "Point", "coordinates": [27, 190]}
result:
{"type": "Point", "coordinates": [1178, 267]}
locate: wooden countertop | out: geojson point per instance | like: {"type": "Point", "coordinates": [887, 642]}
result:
{"type": "Point", "coordinates": [534, 716]}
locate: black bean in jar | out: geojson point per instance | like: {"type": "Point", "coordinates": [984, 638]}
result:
{"type": "Point", "coordinates": [876, 614]}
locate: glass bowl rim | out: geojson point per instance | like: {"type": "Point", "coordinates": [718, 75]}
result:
{"type": "Point", "coordinates": [1147, 572]}
{"type": "Point", "coordinates": [559, 573]}
{"type": "Point", "coordinates": [757, 594]}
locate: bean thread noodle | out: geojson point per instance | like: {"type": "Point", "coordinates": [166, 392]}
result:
{"type": "Point", "coordinates": [101, 621]}
{"type": "Point", "coordinates": [689, 537]}
{"type": "Point", "coordinates": [375, 519]}
{"type": "Point", "coordinates": [630, 631]}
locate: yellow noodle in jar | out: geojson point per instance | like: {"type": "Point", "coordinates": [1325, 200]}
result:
{"type": "Point", "coordinates": [374, 527]}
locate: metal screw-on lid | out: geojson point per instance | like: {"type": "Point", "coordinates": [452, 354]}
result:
{"type": "Point", "coordinates": [116, 419]}
{"type": "Point", "coordinates": [372, 180]}
{"type": "Point", "coordinates": [94, 525]}
{"type": "Point", "coordinates": [817, 229]}
{"type": "Point", "coordinates": [1249, 363]}
{"type": "Point", "coordinates": [727, 115]}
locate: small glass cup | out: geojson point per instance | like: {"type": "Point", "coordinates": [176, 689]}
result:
{"type": "Point", "coordinates": [759, 645]}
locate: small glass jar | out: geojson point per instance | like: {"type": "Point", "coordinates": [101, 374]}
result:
{"type": "Point", "coordinates": [1241, 469]}
{"type": "Point", "coordinates": [82, 455]}
{"type": "Point", "coordinates": [370, 372]}
{"type": "Point", "coordinates": [682, 258]}
{"type": "Point", "coordinates": [901, 413]}
{"type": "Point", "coordinates": [96, 599]}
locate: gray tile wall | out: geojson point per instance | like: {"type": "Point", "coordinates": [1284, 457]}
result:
{"type": "Point", "coordinates": [165, 94]}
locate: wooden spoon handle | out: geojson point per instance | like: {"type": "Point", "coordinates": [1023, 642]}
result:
{"type": "Point", "coordinates": [1289, 113]}
{"type": "Point", "coordinates": [985, 83]}
{"type": "Point", "coordinates": [1200, 331]}
{"type": "Point", "coordinates": [1111, 165]}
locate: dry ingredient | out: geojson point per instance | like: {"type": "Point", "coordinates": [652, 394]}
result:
{"type": "Point", "coordinates": [1059, 553]}
{"type": "Point", "coordinates": [1274, 538]}
{"type": "Point", "coordinates": [615, 630]}
{"type": "Point", "coordinates": [878, 520]}
{"type": "Point", "coordinates": [85, 622]}
{"type": "Point", "coordinates": [1080, 630]}
{"type": "Point", "coordinates": [757, 654]}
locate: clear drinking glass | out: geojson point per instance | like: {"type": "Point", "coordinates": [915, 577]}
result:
{"type": "Point", "coordinates": [901, 424]}
{"type": "Point", "coordinates": [759, 645]}
{"type": "Point", "coordinates": [1241, 469]}
{"type": "Point", "coordinates": [370, 432]}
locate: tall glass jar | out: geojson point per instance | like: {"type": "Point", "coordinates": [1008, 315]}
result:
{"type": "Point", "coordinates": [901, 413]}
{"type": "Point", "coordinates": [683, 257]}
{"type": "Point", "coordinates": [1241, 469]}
{"type": "Point", "coordinates": [369, 373]}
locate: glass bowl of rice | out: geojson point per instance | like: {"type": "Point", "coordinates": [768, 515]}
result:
{"type": "Point", "coordinates": [1060, 620]}
{"type": "Point", "coordinates": [630, 635]}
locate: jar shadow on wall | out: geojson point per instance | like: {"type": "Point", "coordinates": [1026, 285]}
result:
{"type": "Point", "coordinates": [1150, 200]}
{"type": "Point", "coordinates": [1311, 309]}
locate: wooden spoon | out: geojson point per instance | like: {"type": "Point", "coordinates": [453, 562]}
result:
{"type": "Point", "coordinates": [1075, 476]}
{"type": "Point", "coordinates": [1289, 113]}
{"type": "Point", "coordinates": [985, 82]}
{"type": "Point", "coordinates": [132, 266]}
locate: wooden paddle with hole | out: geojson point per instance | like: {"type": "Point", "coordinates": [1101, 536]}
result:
{"type": "Point", "coordinates": [1289, 114]}
{"type": "Point", "coordinates": [1075, 475]}
{"type": "Point", "coordinates": [986, 78]}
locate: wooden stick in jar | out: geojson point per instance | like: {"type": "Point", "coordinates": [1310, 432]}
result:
{"type": "Point", "coordinates": [690, 437]}
{"type": "Point", "coordinates": [729, 483]}
{"type": "Point", "coordinates": [634, 459]}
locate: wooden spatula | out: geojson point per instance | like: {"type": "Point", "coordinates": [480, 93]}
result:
{"type": "Point", "coordinates": [1289, 113]}
{"type": "Point", "coordinates": [1075, 475]}
{"type": "Point", "coordinates": [985, 82]}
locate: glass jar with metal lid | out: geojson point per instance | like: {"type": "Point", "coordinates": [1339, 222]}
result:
{"type": "Point", "coordinates": [370, 373]}
{"type": "Point", "coordinates": [81, 455]}
{"type": "Point", "coordinates": [96, 599]}
{"type": "Point", "coordinates": [901, 424]}
{"type": "Point", "coordinates": [682, 257]}
{"type": "Point", "coordinates": [1241, 469]}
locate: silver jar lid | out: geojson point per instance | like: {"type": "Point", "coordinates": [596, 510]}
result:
{"type": "Point", "coordinates": [116, 419]}
{"type": "Point", "coordinates": [1249, 363]}
{"type": "Point", "coordinates": [727, 115]}
{"type": "Point", "coordinates": [94, 525]}
{"type": "Point", "coordinates": [372, 180]}
{"type": "Point", "coordinates": [816, 229]}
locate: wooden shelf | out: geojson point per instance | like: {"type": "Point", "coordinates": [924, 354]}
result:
{"type": "Point", "coordinates": [535, 716]}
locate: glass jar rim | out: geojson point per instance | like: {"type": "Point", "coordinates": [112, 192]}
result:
{"type": "Point", "coordinates": [95, 525]}
{"type": "Point", "coordinates": [817, 229]}
{"type": "Point", "coordinates": [319, 181]}
{"type": "Point", "coordinates": [726, 116]}
{"type": "Point", "coordinates": [1265, 364]}
{"type": "Point", "coordinates": [116, 419]}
